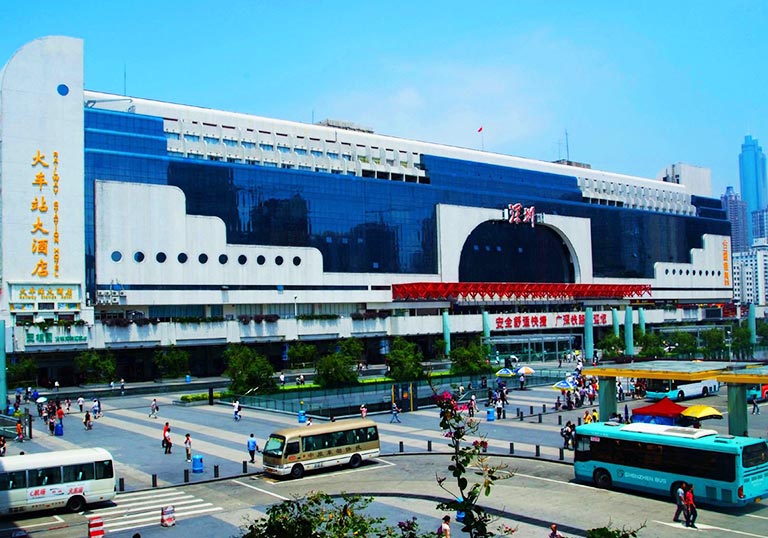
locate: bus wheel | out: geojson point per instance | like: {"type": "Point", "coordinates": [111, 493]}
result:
{"type": "Point", "coordinates": [705, 392]}
{"type": "Point", "coordinates": [602, 478]}
{"type": "Point", "coordinates": [76, 504]}
{"type": "Point", "coordinates": [297, 471]}
{"type": "Point", "coordinates": [680, 396]}
{"type": "Point", "coordinates": [355, 461]}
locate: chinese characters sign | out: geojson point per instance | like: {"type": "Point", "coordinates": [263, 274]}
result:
{"type": "Point", "coordinates": [45, 219]}
{"type": "Point", "coordinates": [517, 214]}
{"type": "Point", "coordinates": [726, 265]}
{"type": "Point", "coordinates": [538, 321]}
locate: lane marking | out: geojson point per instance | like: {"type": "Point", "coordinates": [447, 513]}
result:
{"type": "Point", "coordinates": [262, 491]}
{"type": "Point", "coordinates": [574, 484]}
{"type": "Point", "coordinates": [755, 515]}
{"type": "Point", "coordinates": [703, 527]}
{"type": "Point", "coordinates": [153, 520]}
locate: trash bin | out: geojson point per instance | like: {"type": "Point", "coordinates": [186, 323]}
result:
{"type": "Point", "coordinates": [302, 416]}
{"type": "Point", "coordinates": [59, 429]}
{"type": "Point", "coordinates": [197, 463]}
{"type": "Point", "coordinates": [490, 414]}
{"type": "Point", "coordinates": [187, 378]}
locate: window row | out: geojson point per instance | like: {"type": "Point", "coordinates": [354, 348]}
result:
{"type": "Point", "coordinates": [56, 475]}
{"type": "Point", "coordinates": [692, 272]}
{"type": "Point", "coordinates": [183, 257]}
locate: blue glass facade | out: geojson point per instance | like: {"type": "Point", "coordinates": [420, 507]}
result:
{"type": "Point", "coordinates": [374, 225]}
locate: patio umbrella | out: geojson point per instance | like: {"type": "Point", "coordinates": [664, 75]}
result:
{"type": "Point", "coordinates": [565, 384]}
{"type": "Point", "coordinates": [701, 412]}
{"type": "Point", "coordinates": [505, 372]}
{"type": "Point", "coordinates": [525, 370]}
{"type": "Point", "coordinates": [41, 399]}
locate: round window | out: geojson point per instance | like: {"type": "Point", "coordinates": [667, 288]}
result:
{"type": "Point", "coordinates": [223, 259]}
{"type": "Point", "coordinates": [117, 256]}
{"type": "Point", "coordinates": [242, 260]}
{"type": "Point", "coordinates": [138, 256]}
{"type": "Point", "coordinates": [296, 261]}
{"type": "Point", "coordinates": [161, 257]}
{"type": "Point", "coordinates": [203, 258]}
{"type": "Point", "coordinates": [182, 257]}
{"type": "Point", "coordinates": [279, 260]}
{"type": "Point", "coordinates": [261, 260]}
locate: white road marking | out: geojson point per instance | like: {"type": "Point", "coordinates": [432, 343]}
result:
{"type": "Point", "coordinates": [704, 527]}
{"type": "Point", "coordinates": [57, 518]}
{"type": "Point", "coordinates": [262, 491]}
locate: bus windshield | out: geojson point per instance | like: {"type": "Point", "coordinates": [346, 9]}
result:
{"type": "Point", "coordinates": [274, 446]}
{"type": "Point", "coordinates": [755, 455]}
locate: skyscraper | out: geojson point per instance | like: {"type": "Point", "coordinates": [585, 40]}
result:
{"type": "Point", "coordinates": [752, 178]}
{"type": "Point", "coordinates": [736, 212]}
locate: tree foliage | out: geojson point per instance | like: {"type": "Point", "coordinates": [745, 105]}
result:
{"type": "Point", "coordinates": [171, 361]}
{"type": "Point", "coordinates": [96, 367]}
{"type": "Point", "coordinates": [336, 370]}
{"type": "Point", "coordinates": [22, 372]}
{"type": "Point", "coordinates": [741, 344]}
{"type": "Point", "coordinates": [612, 346]}
{"type": "Point", "coordinates": [684, 343]}
{"type": "Point", "coordinates": [650, 345]}
{"type": "Point", "coordinates": [248, 370]}
{"type": "Point", "coordinates": [469, 360]}
{"type": "Point", "coordinates": [301, 353]}
{"type": "Point", "coordinates": [714, 344]}
{"type": "Point", "coordinates": [351, 348]}
{"type": "Point", "coordinates": [404, 360]}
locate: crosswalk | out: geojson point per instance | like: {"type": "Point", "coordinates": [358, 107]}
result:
{"type": "Point", "coordinates": [143, 508]}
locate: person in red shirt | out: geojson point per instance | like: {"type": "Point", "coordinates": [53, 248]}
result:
{"type": "Point", "coordinates": [690, 508]}
{"type": "Point", "coordinates": [60, 414]}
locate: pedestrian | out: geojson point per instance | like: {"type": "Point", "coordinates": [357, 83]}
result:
{"type": "Point", "coordinates": [19, 432]}
{"type": "Point", "coordinates": [68, 403]}
{"type": "Point", "coordinates": [80, 402]}
{"type": "Point", "coordinates": [499, 408]}
{"type": "Point", "coordinates": [554, 533]}
{"type": "Point", "coordinates": [755, 407]}
{"type": "Point", "coordinates": [594, 415]}
{"type": "Point", "coordinates": [301, 379]}
{"type": "Point", "coordinates": [680, 498]}
{"type": "Point", "coordinates": [56, 386]}
{"type": "Point", "coordinates": [188, 447]}
{"type": "Point", "coordinates": [363, 411]}
{"type": "Point", "coordinates": [522, 381]}
{"type": "Point", "coordinates": [395, 413]}
{"type": "Point", "coordinates": [235, 406]}
{"type": "Point", "coordinates": [87, 422]}
{"type": "Point", "coordinates": [167, 438]}
{"type": "Point", "coordinates": [282, 379]}
{"type": "Point", "coordinates": [153, 408]}
{"type": "Point", "coordinates": [445, 527]}
{"type": "Point", "coordinates": [60, 415]}
{"type": "Point", "coordinates": [51, 424]}
{"type": "Point", "coordinates": [253, 447]}
{"type": "Point", "coordinates": [111, 386]}
{"type": "Point", "coordinates": [309, 421]}
{"type": "Point", "coordinates": [2, 445]}
{"type": "Point", "coordinates": [690, 508]}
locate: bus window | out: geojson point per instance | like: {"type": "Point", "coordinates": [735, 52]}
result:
{"type": "Point", "coordinates": [754, 455]}
{"type": "Point", "coordinates": [104, 469]}
{"type": "Point", "coordinates": [13, 480]}
{"type": "Point", "coordinates": [292, 448]}
{"type": "Point", "coordinates": [44, 477]}
{"type": "Point", "coordinates": [274, 446]}
{"type": "Point", "coordinates": [78, 472]}
{"type": "Point", "coordinates": [372, 434]}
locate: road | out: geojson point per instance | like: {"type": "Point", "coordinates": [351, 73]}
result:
{"type": "Point", "coordinates": [540, 493]}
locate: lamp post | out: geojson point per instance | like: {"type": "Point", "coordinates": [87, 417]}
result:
{"type": "Point", "coordinates": [728, 342]}
{"type": "Point", "coordinates": [295, 307]}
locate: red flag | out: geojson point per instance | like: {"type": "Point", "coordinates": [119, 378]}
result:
{"type": "Point", "coordinates": [480, 130]}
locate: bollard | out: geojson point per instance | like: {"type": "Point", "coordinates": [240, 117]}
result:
{"type": "Point", "coordinates": [245, 467]}
{"type": "Point", "coordinates": [538, 451]}
{"type": "Point", "coordinates": [519, 412]}
{"type": "Point", "coordinates": [579, 421]}
{"type": "Point", "coordinates": [215, 471]}
{"type": "Point", "coordinates": [562, 455]}
{"type": "Point", "coordinates": [210, 395]}
{"type": "Point", "coordinates": [531, 410]}
{"type": "Point", "coordinates": [401, 446]}
{"type": "Point", "coordinates": [539, 418]}
{"type": "Point", "coordinates": [154, 480]}
{"type": "Point", "coordinates": [503, 413]}
{"type": "Point", "coordinates": [544, 408]}
{"type": "Point", "coordinates": [186, 476]}
{"type": "Point", "coordinates": [520, 417]}
{"type": "Point", "coordinates": [511, 448]}
{"type": "Point", "coordinates": [429, 446]}
{"type": "Point", "coordinates": [559, 420]}
{"type": "Point", "coordinates": [121, 484]}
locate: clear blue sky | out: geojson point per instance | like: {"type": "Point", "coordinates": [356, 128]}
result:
{"type": "Point", "coordinates": [638, 85]}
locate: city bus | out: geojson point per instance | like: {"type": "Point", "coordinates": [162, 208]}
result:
{"type": "Point", "coordinates": [677, 391]}
{"type": "Point", "coordinates": [293, 451]}
{"type": "Point", "coordinates": [724, 470]}
{"type": "Point", "coordinates": [760, 392]}
{"type": "Point", "coordinates": [70, 478]}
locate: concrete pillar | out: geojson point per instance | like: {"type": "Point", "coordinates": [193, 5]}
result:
{"type": "Point", "coordinates": [447, 333]}
{"type": "Point", "coordinates": [629, 334]}
{"type": "Point", "coordinates": [3, 379]}
{"type": "Point", "coordinates": [589, 335]}
{"type": "Point", "coordinates": [737, 409]}
{"type": "Point", "coordinates": [607, 398]}
{"type": "Point", "coordinates": [641, 319]}
{"type": "Point", "coordinates": [752, 325]}
{"type": "Point", "coordinates": [615, 319]}
{"type": "Point", "coordinates": [486, 329]}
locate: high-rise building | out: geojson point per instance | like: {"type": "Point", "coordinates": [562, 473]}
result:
{"type": "Point", "coordinates": [750, 275]}
{"type": "Point", "coordinates": [736, 212]}
{"type": "Point", "coordinates": [752, 178]}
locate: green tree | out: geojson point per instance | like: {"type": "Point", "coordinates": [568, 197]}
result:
{"type": "Point", "coordinates": [714, 344]}
{"type": "Point", "coordinates": [336, 370]}
{"type": "Point", "coordinates": [761, 328]}
{"type": "Point", "coordinates": [741, 345]}
{"type": "Point", "coordinates": [684, 343]}
{"type": "Point", "coordinates": [469, 360]}
{"type": "Point", "coordinates": [22, 372]}
{"type": "Point", "coordinates": [248, 370]}
{"type": "Point", "coordinates": [439, 347]}
{"type": "Point", "coordinates": [612, 346]}
{"type": "Point", "coordinates": [404, 360]}
{"type": "Point", "coordinates": [301, 353]}
{"type": "Point", "coordinates": [171, 361]}
{"type": "Point", "coordinates": [352, 348]}
{"type": "Point", "coordinates": [650, 345]}
{"type": "Point", "coordinates": [95, 367]}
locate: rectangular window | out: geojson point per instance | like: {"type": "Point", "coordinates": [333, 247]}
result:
{"type": "Point", "coordinates": [248, 145]}
{"type": "Point", "coordinates": [267, 147]}
{"type": "Point", "coordinates": [270, 164]}
{"type": "Point", "coordinates": [333, 155]}
{"type": "Point", "coordinates": [191, 137]}
{"type": "Point", "coordinates": [283, 149]}
{"type": "Point", "coordinates": [172, 136]}
{"type": "Point", "coordinates": [78, 472]}
{"type": "Point", "coordinates": [316, 153]}
{"type": "Point", "coordinates": [211, 140]}
{"type": "Point", "coordinates": [346, 157]}
{"type": "Point", "coordinates": [44, 477]}
{"type": "Point", "coordinates": [300, 151]}
{"type": "Point", "coordinates": [13, 480]}
{"type": "Point", "coordinates": [230, 143]}
{"type": "Point", "coordinates": [104, 470]}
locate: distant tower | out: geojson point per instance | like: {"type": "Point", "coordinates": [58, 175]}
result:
{"type": "Point", "coordinates": [736, 211]}
{"type": "Point", "coordinates": [752, 178]}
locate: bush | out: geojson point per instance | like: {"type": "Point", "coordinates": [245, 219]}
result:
{"type": "Point", "coordinates": [248, 370]}
{"type": "Point", "coordinates": [199, 397]}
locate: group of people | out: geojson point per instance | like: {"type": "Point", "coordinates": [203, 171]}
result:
{"type": "Point", "coordinates": [686, 505]}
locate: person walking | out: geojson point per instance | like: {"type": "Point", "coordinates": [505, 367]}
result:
{"type": "Point", "coordinates": [363, 411]}
{"type": "Point", "coordinates": [690, 508]}
{"type": "Point", "coordinates": [188, 447]}
{"type": "Point", "coordinates": [167, 438]}
{"type": "Point", "coordinates": [19, 431]}
{"type": "Point", "coordinates": [554, 533]}
{"type": "Point", "coordinates": [235, 410]}
{"type": "Point", "coordinates": [680, 498]}
{"type": "Point", "coordinates": [153, 408]}
{"type": "Point", "coordinates": [755, 407]}
{"type": "Point", "coordinates": [253, 447]}
{"type": "Point", "coordinates": [395, 413]}
{"type": "Point", "coordinates": [80, 402]}
{"type": "Point", "coordinates": [87, 422]}
{"type": "Point", "coordinates": [445, 527]}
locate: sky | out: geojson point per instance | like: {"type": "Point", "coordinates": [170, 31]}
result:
{"type": "Point", "coordinates": [637, 85]}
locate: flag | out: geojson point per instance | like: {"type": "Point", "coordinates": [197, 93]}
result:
{"type": "Point", "coordinates": [480, 130]}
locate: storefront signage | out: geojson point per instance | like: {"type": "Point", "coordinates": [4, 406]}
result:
{"type": "Point", "coordinates": [45, 218]}
{"type": "Point", "coordinates": [726, 264]}
{"type": "Point", "coordinates": [553, 320]}
{"type": "Point", "coordinates": [517, 214]}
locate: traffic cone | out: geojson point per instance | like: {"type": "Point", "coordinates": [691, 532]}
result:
{"type": "Point", "coordinates": [168, 516]}
{"type": "Point", "coordinates": [95, 527]}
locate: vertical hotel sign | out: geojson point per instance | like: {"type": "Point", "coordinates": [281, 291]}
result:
{"type": "Point", "coordinates": [726, 264]}
{"type": "Point", "coordinates": [44, 226]}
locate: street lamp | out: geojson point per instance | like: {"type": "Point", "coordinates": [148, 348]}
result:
{"type": "Point", "coordinates": [295, 306]}
{"type": "Point", "coordinates": [728, 342]}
